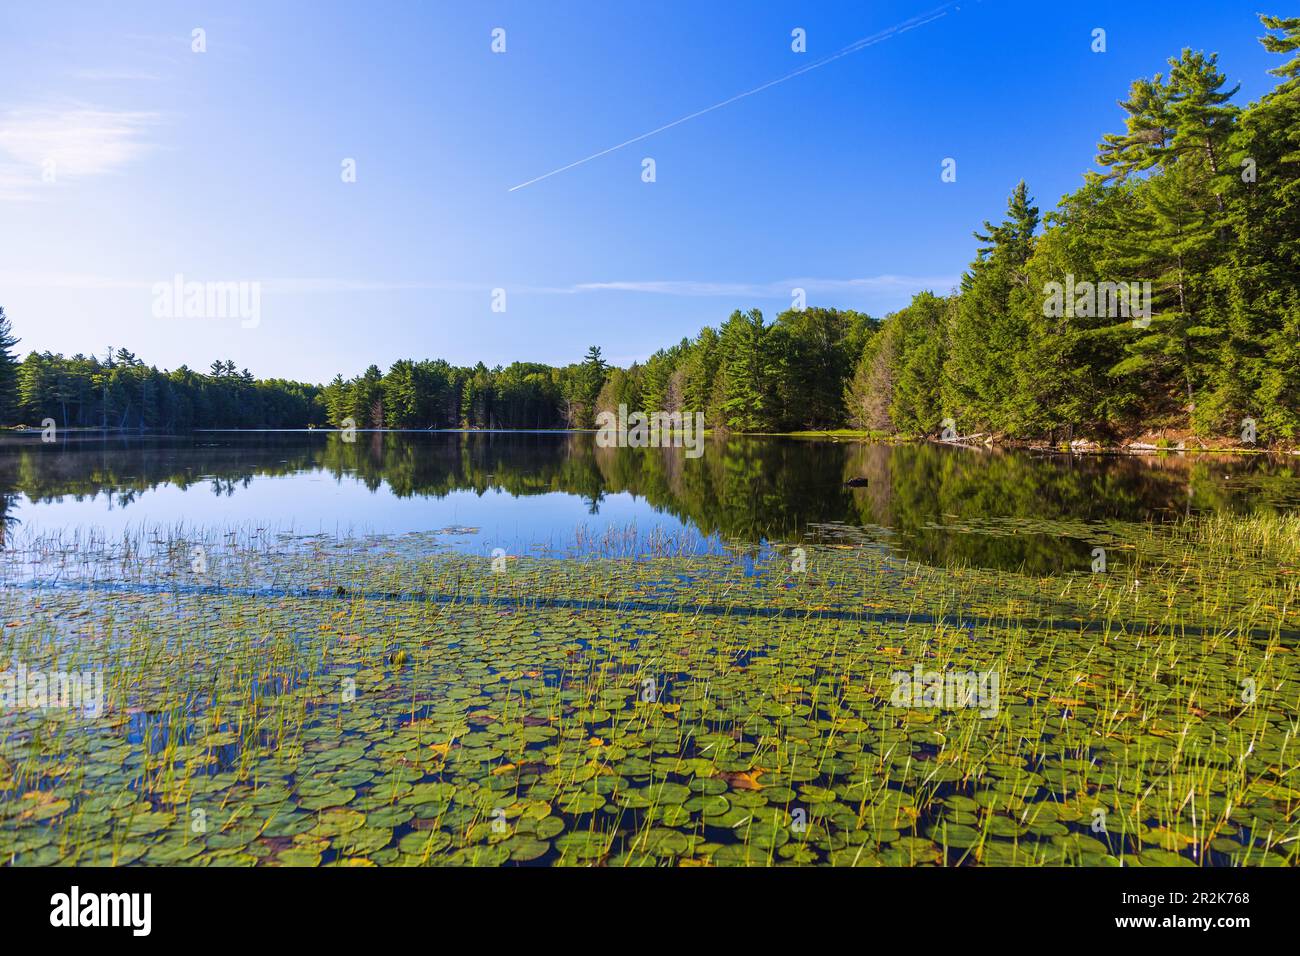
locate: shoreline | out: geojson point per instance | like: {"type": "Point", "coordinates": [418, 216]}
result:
{"type": "Point", "coordinates": [1126, 446]}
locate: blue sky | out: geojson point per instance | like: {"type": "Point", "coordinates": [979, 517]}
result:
{"type": "Point", "coordinates": [225, 166]}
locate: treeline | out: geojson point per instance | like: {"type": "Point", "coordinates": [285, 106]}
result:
{"type": "Point", "coordinates": [1197, 201]}
{"type": "Point", "coordinates": [436, 394]}
{"type": "Point", "coordinates": [748, 376]}
{"type": "Point", "coordinates": [1197, 196]}
{"type": "Point", "coordinates": [119, 391]}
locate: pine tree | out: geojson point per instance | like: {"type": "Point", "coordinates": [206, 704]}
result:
{"type": "Point", "coordinates": [656, 380]}
{"type": "Point", "coordinates": [8, 371]}
{"type": "Point", "coordinates": [1289, 42]}
{"type": "Point", "coordinates": [700, 368]}
{"type": "Point", "coordinates": [916, 406]}
{"type": "Point", "coordinates": [1170, 241]}
{"type": "Point", "coordinates": [1258, 374]}
{"type": "Point", "coordinates": [1176, 235]}
{"type": "Point", "coordinates": [588, 382]}
{"type": "Point", "coordinates": [819, 351]}
{"type": "Point", "coordinates": [989, 331]}
{"type": "Point", "coordinates": [748, 396]}
{"type": "Point", "coordinates": [1148, 131]}
{"type": "Point", "coordinates": [1064, 372]}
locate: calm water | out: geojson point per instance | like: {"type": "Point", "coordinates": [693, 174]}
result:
{"type": "Point", "coordinates": [528, 491]}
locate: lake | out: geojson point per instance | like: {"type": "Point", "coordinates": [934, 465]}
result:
{"type": "Point", "coordinates": [247, 649]}
{"type": "Point", "coordinates": [527, 492]}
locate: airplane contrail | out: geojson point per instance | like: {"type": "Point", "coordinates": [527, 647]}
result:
{"type": "Point", "coordinates": [911, 24]}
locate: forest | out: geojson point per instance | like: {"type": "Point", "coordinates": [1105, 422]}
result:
{"type": "Point", "coordinates": [1198, 195]}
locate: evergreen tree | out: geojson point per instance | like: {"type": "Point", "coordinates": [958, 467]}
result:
{"type": "Point", "coordinates": [819, 348]}
{"type": "Point", "coordinates": [587, 383]}
{"type": "Point", "coordinates": [8, 371]}
{"type": "Point", "coordinates": [916, 406]}
{"type": "Point", "coordinates": [700, 369]}
{"type": "Point", "coordinates": [656, 380]}
{"type": "Point", "coordinates": [990, 329]}
{"type": "Point", "coordinates": [746, 374]}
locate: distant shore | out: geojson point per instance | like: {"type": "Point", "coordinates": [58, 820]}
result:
{"type": "Point", "coordinates": [1146, 444]}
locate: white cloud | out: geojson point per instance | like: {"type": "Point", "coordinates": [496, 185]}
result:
{"type": "Point", "coordinates": [317, 286]}
{"type": "Point", "coordinates": [281, 286]}
{"type": "Point", "coordinates": [674, 287]}
{"type": "Point", "coordinates": [114, 76]}
{"type": "Point", "coordinates": [773, 290]}
{"type": "Point", "coordinates": [17, 184]}
{"type": "Point", "coordinates": [74, 143]}
{"type": "Point", "coordinates": [66, 280]}
{"type": "Point", "coordinates": [686, 288]}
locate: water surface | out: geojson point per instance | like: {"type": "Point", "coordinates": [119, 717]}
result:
{"type": "Point", "coordinates": [531, 492]}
